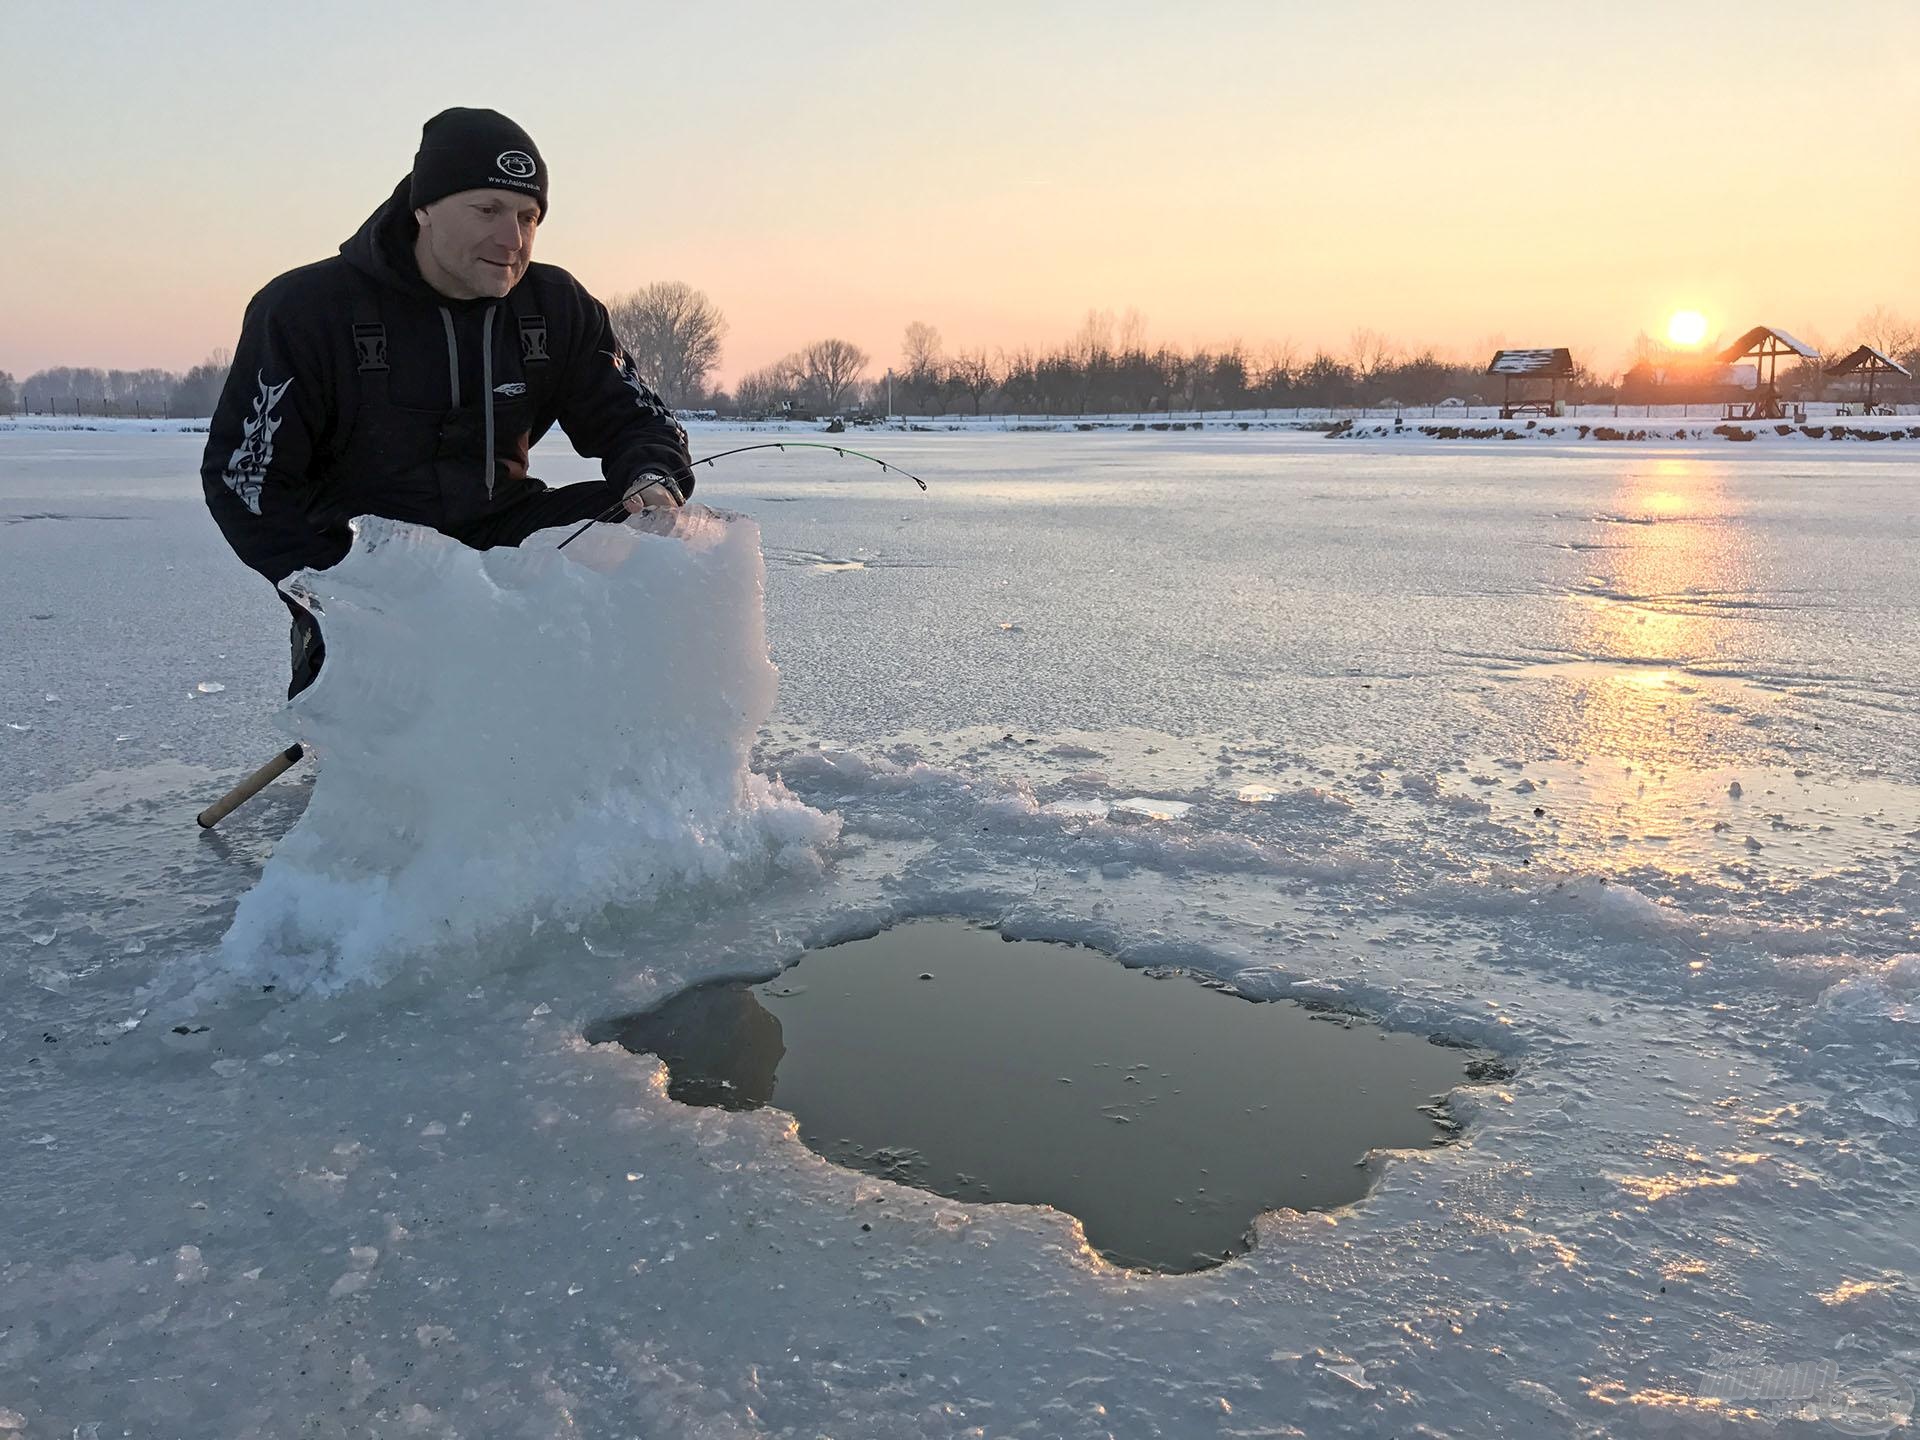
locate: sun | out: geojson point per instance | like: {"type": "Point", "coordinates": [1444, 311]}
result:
{"type": "Point", "coordinates": [1687, 327]}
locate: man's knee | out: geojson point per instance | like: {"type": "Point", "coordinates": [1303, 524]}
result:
{"type": "Point", "coordinates": [309, 650]}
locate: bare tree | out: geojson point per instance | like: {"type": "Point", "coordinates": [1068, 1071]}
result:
{"type": "Point", "coordinates": [63, 387]}
{"type": "Point", "coordinates": [1020, 379]}
{"type": "Point", "coordinates": [975, 374]}
{"type": "Point", "coordinates": [1279, 362]}
{"type": "Point", "coordinates": [871, 396]}
{"type": "Point", "coordinates": [673, 332]}
{"type": "Point", "coordinates": [1094, 342]}
{"type": "Point", "coordinates": [1368, 353]}
{"type": "Point", "coordinates": [771, 388]}
{"type": "Point", "coordinates": [1323, 380]}
{"type": "Point", "coordinates": [1586, 378]}
{"type": "Point", "coordinates": [9, 394]}
{"type": "Point", "coordinates": [752, 396]}
{"type": "Point", "coordinates": [1182, 376]}
{"type": "Point", "coordinates": [920, 348]}
{"type": "Point", "coordinates": [924, 365]}
{"type": "Point", "coordinates": [199, 389]}
{"type": "Point", "coordinates": [1231, 377]}
{"type": "Point", "coordinates": [1423, 378]}
{"type": "Point", "coordinates": [832, 367]}
{"type": "Point", "coordinates": [1139, 379]}
{"type": "Point", "coordinates": [1886, 331]}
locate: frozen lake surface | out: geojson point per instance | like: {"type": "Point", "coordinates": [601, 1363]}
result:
{"type": "Point", "coordinates": [1603, 761]}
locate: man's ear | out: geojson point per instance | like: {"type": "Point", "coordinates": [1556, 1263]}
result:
{"type": "Point", "coordinates": [420, 216]}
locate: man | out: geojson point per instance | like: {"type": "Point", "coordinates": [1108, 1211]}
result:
{"type": "Point", "coordinates": [409, 375]}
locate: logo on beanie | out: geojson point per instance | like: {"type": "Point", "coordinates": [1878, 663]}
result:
{"type": "Point", "coordinates": [516, 163]}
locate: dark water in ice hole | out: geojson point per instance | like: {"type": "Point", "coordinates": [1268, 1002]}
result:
{"type": "Point", "coordinates": [1161, 1112]}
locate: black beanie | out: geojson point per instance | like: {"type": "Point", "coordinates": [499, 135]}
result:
{"type": "Point", "coordinates": [463, 149]}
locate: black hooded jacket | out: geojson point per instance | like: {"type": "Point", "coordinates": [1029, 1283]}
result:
{"type": "Point", "coordinates": [357, 389]}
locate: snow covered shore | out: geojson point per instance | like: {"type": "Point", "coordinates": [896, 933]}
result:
{"type": "Point", "coordinates": [109, 424]}
{"type": "Point", "coordinates": [1866, 430]}
{"type": "Point", "coordinates": [1588, 423]}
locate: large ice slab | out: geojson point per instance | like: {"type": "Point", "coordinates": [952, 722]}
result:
{"type": "Point", "coordinates": [521, 734]}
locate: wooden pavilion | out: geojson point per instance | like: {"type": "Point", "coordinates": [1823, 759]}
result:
{"type": "Point", "coordinates": [1871, 363]}
{"type": "Point", "coordinates": [1526, 368]}
{"type": "Point", "coordinates": [1765, 346]}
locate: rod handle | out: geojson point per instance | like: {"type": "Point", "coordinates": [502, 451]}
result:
{"type": "Point", "coordinates": [251, 786]}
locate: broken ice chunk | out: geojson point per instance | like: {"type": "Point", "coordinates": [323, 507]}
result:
{"type": "Point", "coordinates": [1090, 809]}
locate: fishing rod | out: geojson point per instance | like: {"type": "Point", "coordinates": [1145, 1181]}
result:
{"type": "Point", "coordinates": [843, 451]}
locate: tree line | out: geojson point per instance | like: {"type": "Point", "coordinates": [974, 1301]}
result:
{"type": "Point", "coordinates": [1109, 367]}
{"type": "Point", "coordinates": [676, 333]}
{"type": "Point", "coordinates": [70, 389]}
{"type": "Point", "coordinates": [673, 331]}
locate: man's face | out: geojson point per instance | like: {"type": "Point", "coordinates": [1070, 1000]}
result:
{"type": "Point", "coordinates": [477, 243]}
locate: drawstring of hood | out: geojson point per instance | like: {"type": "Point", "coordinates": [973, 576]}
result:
{"type": "Point", "coordinates": [453, 355]}
{"type": "Point", "coordinates": [486, 376]}
{"type": "Point", "coordinates": [486, 387]}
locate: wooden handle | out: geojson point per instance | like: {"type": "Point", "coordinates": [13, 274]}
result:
{"type": "Point", "coordinates": [251, 786]}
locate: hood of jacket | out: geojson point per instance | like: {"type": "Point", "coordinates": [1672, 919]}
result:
{"type": "Point", "coordinates": [383, 248]}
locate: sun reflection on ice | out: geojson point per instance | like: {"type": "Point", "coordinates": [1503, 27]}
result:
{"type": "Point", "coordinates": [1680, 568]}
{"type": "Point", "coordinates": [1653, 678]}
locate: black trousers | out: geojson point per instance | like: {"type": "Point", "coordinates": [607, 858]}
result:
{"type": "Point", "coordinates": [541, 509]}
{"type": "Point", "coordinates": [537, 510]}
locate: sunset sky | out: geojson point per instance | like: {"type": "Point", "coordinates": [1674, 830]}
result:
{"type": "Point", "coordinates": [1448, 174]}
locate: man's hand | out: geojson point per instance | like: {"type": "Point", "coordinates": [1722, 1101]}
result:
{"type": "Point", "coordinates": [652, 491]}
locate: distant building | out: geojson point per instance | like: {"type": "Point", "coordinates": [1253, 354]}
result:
{"type": "Point", "coordinates": [1766, 347]}
{"type": "Point", "coordinates": [1871, 363]}
{"type": "Point", "coordinates": [1523, 371]}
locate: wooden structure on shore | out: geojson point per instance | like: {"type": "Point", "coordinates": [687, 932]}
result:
{"type": "Point", "coordinates": [1765, 346]}
{"type": "Point", "coordinates": [1526, 368]}
{"type": "Point", "coordinates": [1871, 363]}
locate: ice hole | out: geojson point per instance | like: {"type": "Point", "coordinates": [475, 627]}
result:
{"type": "Point", "coordinates": [1162, 1112]}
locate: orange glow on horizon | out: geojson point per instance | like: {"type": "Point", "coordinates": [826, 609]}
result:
{"type": "Point", "coordinates": [821, 179]}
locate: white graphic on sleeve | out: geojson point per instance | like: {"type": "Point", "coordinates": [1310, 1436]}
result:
{"type": "Point", "coordinates": [644, 397]}
{"type": "Point", "coordinates": [247, 470]}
